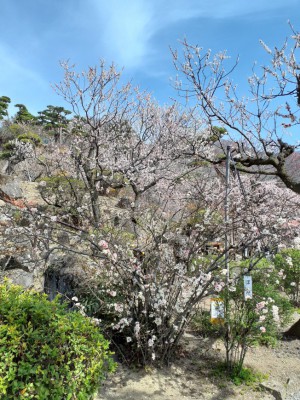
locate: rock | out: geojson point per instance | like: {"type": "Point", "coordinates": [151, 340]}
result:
{"type": "Point", "coordinates": [9, 263]}
{"type": "Point", "coordinates": [67, 272]}
{"type": "Point", "coordinates": [15, 189]}
{"type": "Point", "coordinates": [20, 277]}
{"type": "Point", "coordinates": [3, 166]}
{"type": "Point", "coordinates": [31, 194]}
{"type": "Point", "coordinates": [63, 238]}
{"type": "Point", "coordinates": [294, 330]}
{"type": "Point", "coordinates": [124, 202]}
{"type": "Point", "coordinates": [39, 278]}
{"type": "Point", "coordinates": [274, 389]}
{"type": "Point", "coordinates": [35, 170]}
{"type": "Point", "coordinates": [10, 186]}
{"type": "Point", "coordinates": [4, 220]}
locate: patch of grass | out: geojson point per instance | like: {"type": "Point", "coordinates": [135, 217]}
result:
{"type": "Point", "coordinates": [239, 376]}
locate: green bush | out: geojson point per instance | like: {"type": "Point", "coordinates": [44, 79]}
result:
{"type": "Point", "coordinates": [16, 130]}
{"type": "Point", "coordinates": [287, 264]}
{"type": "Point", "coordinates": [9, 146]}
{"type": "Point", "coordinates": [30, 137]}
{"type": "Point", "coordinates": [9, 132]}
{"type": "Point", "coordinates": [252, 321]}
{"type": "Point", "coordinates": [5, 155]}
{"type": "Point", "coordinates": [243, 376]}
{"type": "Point", "coordinates": [201, 325]}
{"type": "Point", "coordinates": [46, 351]}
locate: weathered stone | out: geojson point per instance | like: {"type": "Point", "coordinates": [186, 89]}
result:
{"type": "Point", "coordinates": [9, 263]}
{"type": "Point", "coordinates": [4, 220]}
{"type": "Point", "coordinates": [20, 277]}
{"type": "Point", "coordinates": [10, 186]}
{"type": "Point", "coordinates": [3, 166]}
{"type": "Point", "coordinates": [28, 170]}
{"type": "Point", "coordinates": [31, 194]}
{"type": "Point", "coordinates": [39, 278]}
{"type": "Point", "coordinates": [294, 330]}
{"type": "Point", "coordinates": [275, 389]}
{"type": "Point", "coordinates": [124, 202]}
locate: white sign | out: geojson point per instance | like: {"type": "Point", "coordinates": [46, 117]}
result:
{"type": "Point", "coordinates": [247, 287]}
{"type": "Point", "coordinates": [217, 309]}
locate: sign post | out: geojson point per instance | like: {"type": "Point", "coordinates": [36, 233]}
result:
{"type": "Point", "coordinates": [247, 287]}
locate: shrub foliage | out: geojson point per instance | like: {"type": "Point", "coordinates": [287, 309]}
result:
{"type": "Point", "coordinates": [47, 351]}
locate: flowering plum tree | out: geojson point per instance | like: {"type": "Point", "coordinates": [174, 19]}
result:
{"type": "Point", "coordinates": [121, 137]}
{"type": "Point", "coordinates": [151, 267]}
{"type": "Point", "coordinates": [255, 123]}
{"type": "Point", "coordinates": [152, 276]}
{"type": "Point", "coordinates": [287, 264]}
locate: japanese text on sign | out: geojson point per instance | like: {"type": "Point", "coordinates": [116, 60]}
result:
{"type": "Point", "coordinates": [247, 287]}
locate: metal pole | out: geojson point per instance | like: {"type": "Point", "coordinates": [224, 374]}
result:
{"type": "Point", "coordinates": [226, 207]}
{"type": "Point", "coordinates": [226, 244]}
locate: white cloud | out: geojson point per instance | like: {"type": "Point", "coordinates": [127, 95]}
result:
{"type": "Point", "coordinates": [123, 29]}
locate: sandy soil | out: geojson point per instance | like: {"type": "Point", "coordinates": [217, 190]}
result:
{"type": "Point", "coordinates": [190, 377]}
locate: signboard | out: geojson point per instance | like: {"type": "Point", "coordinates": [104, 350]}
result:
{"type": "Point", "coordinates": [247, 287]}
{"type": "Point", "coordinates": [217, 311]}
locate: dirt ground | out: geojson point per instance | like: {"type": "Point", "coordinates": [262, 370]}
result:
{"type": "Point", "coordinates": [190, 377]}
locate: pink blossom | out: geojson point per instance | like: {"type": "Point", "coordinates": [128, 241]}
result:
{"type": "Point", "coordinates": [219, 286]}
{"type": "Point", "coordinates": [103, 244]}
{"type": "Point", "coordinates": [260, 306]}
{"type": "Point", "coordinates": [118, 307]}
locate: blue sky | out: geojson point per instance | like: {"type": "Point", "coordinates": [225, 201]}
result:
{"type": "Point", "coordinates": [135, 34]}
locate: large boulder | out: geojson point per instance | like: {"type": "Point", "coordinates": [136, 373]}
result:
{"type": "Point", "coordinates": [12, 189]}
